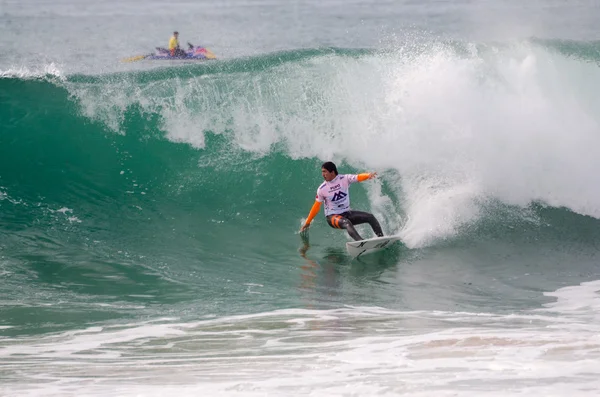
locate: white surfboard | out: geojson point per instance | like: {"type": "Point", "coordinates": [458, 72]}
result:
{"type": "Point", "coordinates": [368, 246]}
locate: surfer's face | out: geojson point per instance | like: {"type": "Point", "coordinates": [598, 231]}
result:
{"type": "Point", "coordinates": [328, 176]}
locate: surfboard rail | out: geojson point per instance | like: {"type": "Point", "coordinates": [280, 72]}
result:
{"type": "Point", "coordinates": [368, 246]}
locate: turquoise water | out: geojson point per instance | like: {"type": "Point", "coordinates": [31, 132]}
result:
{"type": "Point", "coordinates": [150, 211]}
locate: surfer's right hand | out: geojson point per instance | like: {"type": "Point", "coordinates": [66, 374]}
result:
{"type": "Point", "coordinates": [304, 227]}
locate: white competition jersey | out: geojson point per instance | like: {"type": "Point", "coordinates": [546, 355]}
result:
{"type": "Point", "coordinates": [335, 194]}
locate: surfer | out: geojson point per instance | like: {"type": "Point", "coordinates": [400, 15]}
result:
{"type": "Point", "coordinates": [334, 192]}
{"type": "Point", "coordinates": [174, 48]}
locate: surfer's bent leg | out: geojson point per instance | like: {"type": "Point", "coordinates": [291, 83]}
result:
{"type": "Point", "coordinates": [341, 222]}
{"type": "Point", "coordinates": [358, 217]}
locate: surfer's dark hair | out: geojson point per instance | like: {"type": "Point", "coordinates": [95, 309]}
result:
{"type": "Point", "coordinates": [329, 166]}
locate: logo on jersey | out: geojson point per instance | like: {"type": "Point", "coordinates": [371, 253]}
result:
{"type": "Point", "coordinates": [338, 196]}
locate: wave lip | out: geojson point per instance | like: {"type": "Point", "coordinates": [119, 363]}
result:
{"type": "Point", "coordinates": [50, 70]}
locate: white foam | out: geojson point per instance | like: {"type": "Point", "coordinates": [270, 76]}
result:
{"type": "Point", "coordinates": [22, 72]}
{"type": "Point", "coordinates": [581, 302]}
{"type": "Point", "coordinates": [362, 351]}
{"type": "Point", "coordinates": [5, 196]}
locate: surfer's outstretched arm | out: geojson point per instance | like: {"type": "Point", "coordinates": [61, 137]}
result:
{"type": "Point", "coordinates": [366, 176]}
{"type": "Point", "coordinates": [313, 212]}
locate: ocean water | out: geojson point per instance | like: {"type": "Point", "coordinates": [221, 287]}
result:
{"type": "Point", "coordinates": [149, 211]}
